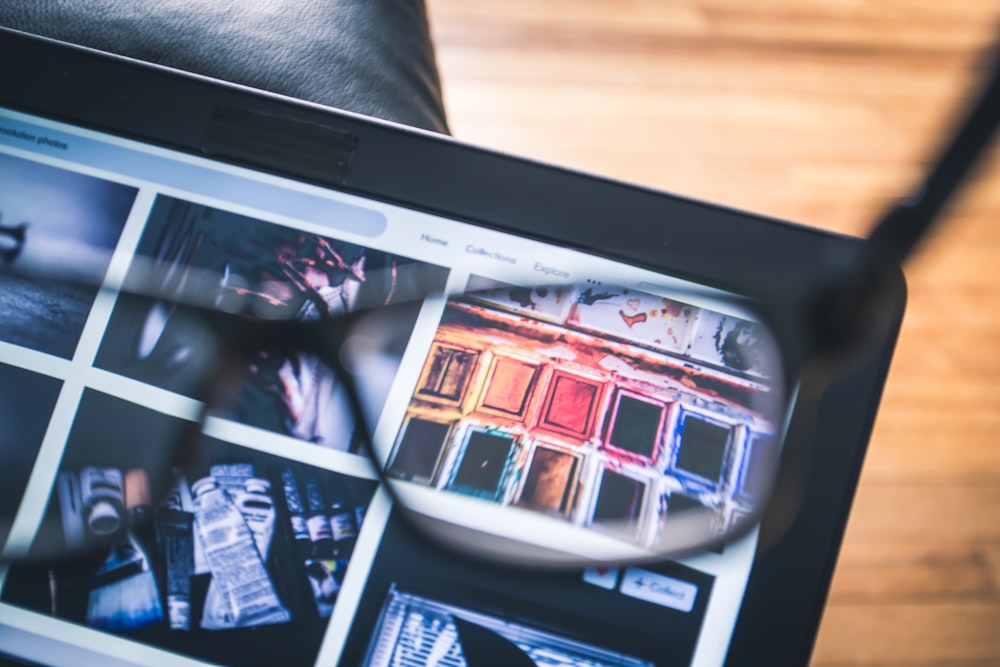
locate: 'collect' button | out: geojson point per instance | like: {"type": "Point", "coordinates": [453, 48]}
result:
{"type": "Point", "coordinates": [658, 589]}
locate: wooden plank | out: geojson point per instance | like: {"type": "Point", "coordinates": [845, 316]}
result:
{"type": "Point", "coordinates": [870, 25]}
{"type": "Point", "coordinates": [891, 457]}
{"type": "Point", "coordinates": [908, 662]}
{"type": "Point", "coordinates": [818, 27]}
{"type": "Point", "coordinates": [909, 511]}
{"type": "Point", "coordinates": [934, 81]}
{"type": "Point", "coordinates": [880, 572]}
{"type": "Point", "coordinates": [931, 633]}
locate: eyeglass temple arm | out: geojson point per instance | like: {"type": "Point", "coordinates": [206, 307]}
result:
{"type": "Point", "coordinates": [849, 304]}
{"type": "Point", "coordinates": [896, 235]}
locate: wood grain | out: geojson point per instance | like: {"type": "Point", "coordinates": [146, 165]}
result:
{"type": "Point", "coordinates": [820, 112]}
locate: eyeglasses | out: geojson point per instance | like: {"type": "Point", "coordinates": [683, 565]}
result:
{"type": "Point", "coordinates": [623, 422]}
{"type": "Point", "coordinates": [561, 424]}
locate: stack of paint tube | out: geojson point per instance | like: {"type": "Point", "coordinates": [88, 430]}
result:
{"type": "Point", "coordinates": [222, 526]}
{"type": "Point", "coordinates": [325, 526]}
{"type": "Point", "coordinates": [233, 527]}
{"type": "Point", "coordinates": [112, 505]}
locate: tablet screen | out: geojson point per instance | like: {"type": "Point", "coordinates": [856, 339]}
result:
{"type": "Point", "coordinates": [332, 575]}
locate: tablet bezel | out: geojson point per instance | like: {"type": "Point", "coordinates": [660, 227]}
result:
{"type": "Point", "coordinates": [789, 582]}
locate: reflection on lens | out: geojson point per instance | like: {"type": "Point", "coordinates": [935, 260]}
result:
{"type": "Point", "coordinates": [589, 418]}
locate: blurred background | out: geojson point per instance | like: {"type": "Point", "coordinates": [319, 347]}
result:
{"type": "Point", "coordinates": [819, 112]}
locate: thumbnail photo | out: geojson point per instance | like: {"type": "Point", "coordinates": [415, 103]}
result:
{"type": "Point", "coordinates": [235, 556]}
{"type": "Point", "coordinates": [593, 406]}
{"type": "Point", "coordinates": [424, 606]}
{"type": "Point", "coordinates": [53, 217]}
{"type": "Point", "coordinates": [414, 630]}
{"type": "Point", "coordinates": [26, 402]}
{"type": "Point", "coordinates": [276, 273]}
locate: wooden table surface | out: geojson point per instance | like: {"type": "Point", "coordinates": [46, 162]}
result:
{"type": "Point", "coordinates": [818, 112]}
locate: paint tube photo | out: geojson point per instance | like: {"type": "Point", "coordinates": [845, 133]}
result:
{"type": "Point", "coordinates": [176, 537]}
{"type": "Point", "coordinates": [244, 594]}
{"type": "Point", "coordinates": [217, 568]}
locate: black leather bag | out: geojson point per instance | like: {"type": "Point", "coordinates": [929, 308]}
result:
{"type": "Point", "coordinates": [373, 57]}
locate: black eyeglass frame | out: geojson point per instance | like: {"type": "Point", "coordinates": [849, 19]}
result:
{"type": "Point", "coordinates": [814, 325]}
{"type": "Point", "coordinates": [845, 289]}
{"type": "Point", "coordinates": [788, 582]}
{"type": "Point", "coordinates": [242, 334]}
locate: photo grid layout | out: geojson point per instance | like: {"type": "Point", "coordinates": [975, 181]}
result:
{"type": "Point", "coordinates": [234, 547]}
{"type": "Point", "coordinates": [216, 550]}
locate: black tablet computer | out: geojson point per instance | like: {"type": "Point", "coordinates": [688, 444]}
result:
{"type": "Point", "coordinates": [103, 160]}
